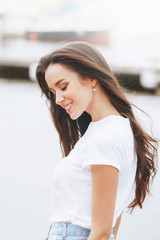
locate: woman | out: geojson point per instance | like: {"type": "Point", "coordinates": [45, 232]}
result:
{"type": "Point", "coordinates": [105, 151]}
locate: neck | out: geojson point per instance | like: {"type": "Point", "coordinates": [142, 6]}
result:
{"type": "Point", "coordinates": [100, 106]}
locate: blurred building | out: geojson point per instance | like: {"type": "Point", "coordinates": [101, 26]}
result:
{"type": "Point", "coordinates": [127, 33]}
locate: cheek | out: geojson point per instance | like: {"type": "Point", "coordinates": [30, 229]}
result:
{"type": "Point", "coordinates": [86, 96]}
{"type": "Point", "coordinates": [81, 94]}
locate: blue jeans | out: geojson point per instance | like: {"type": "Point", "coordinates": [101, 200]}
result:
{"type": "Point", "coordinates": [69, 231]}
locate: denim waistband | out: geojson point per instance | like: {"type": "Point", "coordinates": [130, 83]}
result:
{"type": "Point", "coordinates": [68, 229]}
{"type": "Point", "coordinates": [65, 229]}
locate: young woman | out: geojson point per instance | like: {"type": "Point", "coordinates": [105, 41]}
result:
{"type": "Point", "coordinates": [106, 154]}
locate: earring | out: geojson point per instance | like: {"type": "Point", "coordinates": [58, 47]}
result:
{"type": "Point", "coordinates": [94, 89]}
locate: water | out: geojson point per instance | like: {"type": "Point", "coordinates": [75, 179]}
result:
{"type": "Point", "coordinates": [29, 153]}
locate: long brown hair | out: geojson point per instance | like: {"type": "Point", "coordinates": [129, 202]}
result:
{"type": "Point", "coordinates": [84, 59]}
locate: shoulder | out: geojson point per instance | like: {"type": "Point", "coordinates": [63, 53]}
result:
{"type": "Point", "coordinates": [113, 137]}
{"type": "Point", "coordinates": [116, 130]}
{"type": "Point", "coordinates": [110, 143]}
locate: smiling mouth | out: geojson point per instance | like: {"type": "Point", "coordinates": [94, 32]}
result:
{"type": "Point", "coordinates": [68, 108]}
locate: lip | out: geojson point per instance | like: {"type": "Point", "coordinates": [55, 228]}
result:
{"type": "Point", "coordinates": [64, 106]}
{"type": "Point", "coordinates": [69, 109]}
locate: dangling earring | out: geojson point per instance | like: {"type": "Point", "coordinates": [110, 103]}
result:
{"type": "Point", "coordinates": [94, 89]}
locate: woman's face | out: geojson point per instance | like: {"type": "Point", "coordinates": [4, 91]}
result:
{"type": "Point", "coordinates": [71, 91]}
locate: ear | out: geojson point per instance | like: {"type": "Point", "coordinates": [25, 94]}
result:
{"type": "Point", "coordinates": [93, 82]}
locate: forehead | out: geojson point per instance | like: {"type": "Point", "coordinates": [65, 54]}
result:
{"type": "Point", "coordinates": [55, 70]}
{"type": "Point", "coordinates": [58, 71]}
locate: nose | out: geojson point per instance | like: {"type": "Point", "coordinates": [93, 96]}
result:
{"type": "Point", "coordinates": [59, 98]}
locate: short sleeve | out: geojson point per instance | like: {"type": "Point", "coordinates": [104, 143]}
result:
{"type": "Point", "coordinates": [104, 151]}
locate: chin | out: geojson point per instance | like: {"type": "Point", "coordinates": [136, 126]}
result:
{"type": "Point", "coordinates": [74, 117]}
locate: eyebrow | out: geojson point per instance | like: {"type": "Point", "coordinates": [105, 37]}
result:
{"type": "Point", "coordinates": [58, 83]}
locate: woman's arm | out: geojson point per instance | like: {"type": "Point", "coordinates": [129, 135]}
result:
{"type": "Point", "coordinates": [104, 190]}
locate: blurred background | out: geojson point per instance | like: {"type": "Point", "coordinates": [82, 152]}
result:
{"type": "Point", "coordinates": [127, 33]}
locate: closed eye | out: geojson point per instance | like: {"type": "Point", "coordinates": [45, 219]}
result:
{"type": "Point", "coordinates": [65, 87]}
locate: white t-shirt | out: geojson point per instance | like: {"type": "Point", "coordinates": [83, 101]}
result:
{"type": "Point", "coordinates": [108, 141]}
